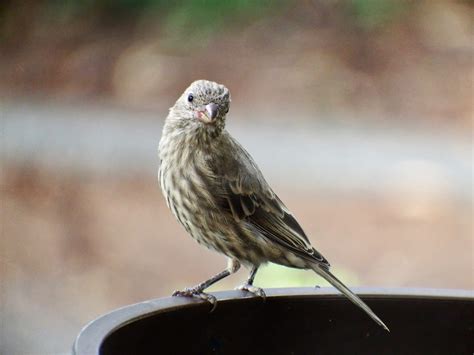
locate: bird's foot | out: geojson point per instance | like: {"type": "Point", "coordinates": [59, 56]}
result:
{"type": "Point", "coordinates": [197, 293]}
{"type": "Point", "coordinates": [257, 291]}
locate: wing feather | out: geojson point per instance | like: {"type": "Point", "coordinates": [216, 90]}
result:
{"type": "Point", "coordinates": [250, 198]}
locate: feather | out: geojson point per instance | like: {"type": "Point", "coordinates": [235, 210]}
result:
{"type": "Point", "coordinates": [250, 198]}
{"type": "Point", "coordinates": [333, 280]}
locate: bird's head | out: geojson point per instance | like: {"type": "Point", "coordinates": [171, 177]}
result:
{"type": "Point", "coordinates": [203, 105]}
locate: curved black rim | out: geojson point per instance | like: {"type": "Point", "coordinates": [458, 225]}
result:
{"type": "Point", "coordinates": [93, 334]}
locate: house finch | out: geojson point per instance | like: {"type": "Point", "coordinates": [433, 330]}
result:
{"type": "Point", "coordinates": [218, 194]}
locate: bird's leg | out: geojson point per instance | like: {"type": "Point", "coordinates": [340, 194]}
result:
{"type": "Point", "coordinates": [198, 291]}
{"type": "Point", "coordinates": [249, 287]}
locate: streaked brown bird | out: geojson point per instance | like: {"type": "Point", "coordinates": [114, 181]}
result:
{"type": "Point", "coordinates": [218, 194]}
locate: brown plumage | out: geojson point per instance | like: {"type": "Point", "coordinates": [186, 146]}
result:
{"type": "Point", "coordinates": [217, 192]}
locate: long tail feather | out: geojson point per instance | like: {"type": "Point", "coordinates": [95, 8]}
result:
{"type": "Point", "coordinates": [333, 280]}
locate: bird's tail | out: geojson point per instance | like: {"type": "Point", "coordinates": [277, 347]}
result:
{"type": "Point", "coordinates": [333, 280]}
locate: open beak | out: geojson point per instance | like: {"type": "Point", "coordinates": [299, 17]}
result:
{"type": "Point", "coordinates": [210, 113]}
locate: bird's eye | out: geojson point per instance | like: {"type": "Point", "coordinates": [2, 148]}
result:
{"type": "Point", "coordinates": [190, 98]}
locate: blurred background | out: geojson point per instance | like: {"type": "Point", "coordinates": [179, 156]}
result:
{"type": "Point", "coordinates": [358, 112]}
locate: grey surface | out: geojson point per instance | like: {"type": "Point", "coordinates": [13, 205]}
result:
{"type": "Point", "coordinates": [111, 141]}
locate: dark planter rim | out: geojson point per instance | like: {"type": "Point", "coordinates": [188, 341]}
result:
{"type": "Point", "coordinates": [93, 334]}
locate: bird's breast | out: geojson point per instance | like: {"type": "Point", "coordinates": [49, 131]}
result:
{"type": "Point", "coordinates": [184, 181]}
{"type": "Point", "coordinates": [195, 196]}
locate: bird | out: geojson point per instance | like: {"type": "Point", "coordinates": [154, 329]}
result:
{"type": "Point", "coordinates": [218, 194]}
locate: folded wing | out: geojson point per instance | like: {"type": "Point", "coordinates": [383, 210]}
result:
{"type": "Point", "coordinates": [250, 199]}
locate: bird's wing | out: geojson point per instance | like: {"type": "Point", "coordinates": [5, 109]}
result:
{"type": "Point", "coordinates": [250, 199]}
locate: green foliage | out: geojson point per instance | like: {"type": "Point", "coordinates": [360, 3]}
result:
{"type": "Point", "coordinates": [192, 22]}
{"type": "Point", "coordinates": [274, 275]}
{"type": "Point", "coordinates": [184, 22]}
{"type": "Point", "coordinates": [371, 14]}
{"type": "Point", "coordinates": [196, 20]}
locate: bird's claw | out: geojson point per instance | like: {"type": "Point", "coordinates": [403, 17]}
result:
{"type": "Point", "coordinates": [257, 291]}
{"type": "Point", "coordinates": [196, 293]}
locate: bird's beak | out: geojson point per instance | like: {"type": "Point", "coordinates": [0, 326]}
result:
{"type": "Point", "coordinates": [210, 113]}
